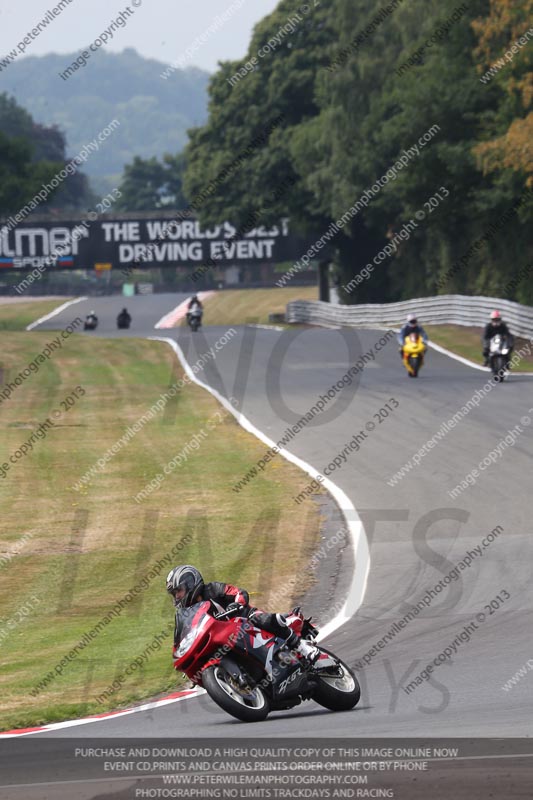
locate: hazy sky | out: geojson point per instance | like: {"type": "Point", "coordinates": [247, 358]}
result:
{"type": "Point", "coordinates": [161, 29]}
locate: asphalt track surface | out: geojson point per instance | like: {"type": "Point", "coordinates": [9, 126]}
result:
{"type": "Point", "coordinates": [417, 532]}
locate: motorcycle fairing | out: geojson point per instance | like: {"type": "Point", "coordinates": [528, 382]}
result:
{"type": "Point", "coordinates": [498, 344]}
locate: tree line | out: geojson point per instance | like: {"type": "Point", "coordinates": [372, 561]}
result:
{"type": "Point", "coordinates": [359, 86]}
{"type": "Point", "coordinates": [417, 114]}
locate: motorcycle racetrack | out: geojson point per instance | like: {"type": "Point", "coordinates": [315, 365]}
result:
{"type": "Point", "coordinates": [449, 585]}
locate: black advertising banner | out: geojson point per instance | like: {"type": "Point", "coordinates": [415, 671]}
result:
{"type": "Point", "coordinates": [153, 242]}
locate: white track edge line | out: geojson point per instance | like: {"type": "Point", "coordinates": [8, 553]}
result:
{"type": "Point", "coordinates": [467, 361]}
{"type": "Point", "coordinates": [53, 313]}
{"type": "Point", "coordinates": [439, 348]}
{"type": "Point", "coordinates": [71, 723]}
{"type": "Point", "coordinates": [264, 327]}
{"type": "Point", "coordinates": [360, 546]}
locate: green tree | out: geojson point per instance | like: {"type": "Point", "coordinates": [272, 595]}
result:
{"type": "Point", "coordinates": [148, 184]}
{"type": "Point", "coordinates": [349, 110]}
{"type": "Point", "coordinates": [512, 145]}
{"type": "Point", "coordinates": [15, 121]}
{"type": "Point", "coordinates": [47, 145]}
{"type": "Point", "coordinates": [280, 87]}
{"type": "Point", "coordinates": [20, 177]}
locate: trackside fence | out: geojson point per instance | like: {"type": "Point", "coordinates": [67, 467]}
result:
{"type": "Point", "coordinates": [453, 309]}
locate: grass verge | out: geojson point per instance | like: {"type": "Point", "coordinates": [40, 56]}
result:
{"type": "Point", "coordinates": [69, 556]}
{"type": "Point", "coordinates": [243, 306]}
{"type": "Point", "coordinates": [15, 316]}
{"type": "Point", "coordinates": [466, 342]}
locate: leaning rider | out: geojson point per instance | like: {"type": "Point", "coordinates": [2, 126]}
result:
{"type": "Point", "coordinates": [496, 327]}
{"type": "Point", "coordinates": [186, 585]}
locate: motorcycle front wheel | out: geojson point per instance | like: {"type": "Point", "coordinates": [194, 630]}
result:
{"type": "Point", "coordinates": [414, 363]}
{"type": "Point", "coordinates": [247, 704]}
{"type": "Point", "coordinates": [337, 688]}
{"type": "Point", "coordinates": [498, 367]}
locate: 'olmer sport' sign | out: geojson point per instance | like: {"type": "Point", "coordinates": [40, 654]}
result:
{"type": "Point", "coordinates": [150, 240]}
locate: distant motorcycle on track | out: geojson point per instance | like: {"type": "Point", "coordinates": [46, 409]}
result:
{"type": "Point", "coordinates": [413, 354]}
{"type": "Point", "coordinates": [194, 318]}
{"type": "Point", "coordinates": [124, 319]}
{"type": "Point", "coordinates": [499, 350]}
{"type": "Point", "coordinates": [91, 322]}
{"type": "Point", "coordinates": [249, 672]}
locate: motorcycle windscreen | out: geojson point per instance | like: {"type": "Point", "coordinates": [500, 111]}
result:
{"type": "Point", "coordinates": [189, 618]}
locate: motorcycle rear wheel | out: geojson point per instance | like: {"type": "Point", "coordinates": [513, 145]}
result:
{"type": "Point", "coordinates": [251, 706]}
{"type": "Point", "coordinates": [339, 690]}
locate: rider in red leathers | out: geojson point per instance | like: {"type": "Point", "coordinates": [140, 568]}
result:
{"type": "Point", "coordinates": [186, 585]}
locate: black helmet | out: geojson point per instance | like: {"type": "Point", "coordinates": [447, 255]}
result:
{"type": "Point", "coordinates": [188, 581]}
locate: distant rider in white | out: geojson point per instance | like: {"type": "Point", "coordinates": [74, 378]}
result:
{"type": "Point", "coordinates": [496, 327]}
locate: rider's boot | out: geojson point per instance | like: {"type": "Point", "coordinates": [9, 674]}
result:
{"type": "Point", "coordinates": [304, 649]}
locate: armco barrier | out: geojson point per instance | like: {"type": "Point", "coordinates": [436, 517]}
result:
{"type": "Point", "coordinates": [454, 309]}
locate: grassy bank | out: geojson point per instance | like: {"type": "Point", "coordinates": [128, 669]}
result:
{"type": "Point", "coordinates": [69, 555]}
{"type": "Point", "coordinates": [242, 306]}
{"type": "Point", "coordinates": [16, 316]}
{"type": "Point", "coordinates": [466, 342]}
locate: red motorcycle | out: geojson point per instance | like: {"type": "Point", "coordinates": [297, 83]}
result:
{"type": "Point", "coordinates": [249, 672]}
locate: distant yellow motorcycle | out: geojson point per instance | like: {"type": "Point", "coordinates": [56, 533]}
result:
{"type": "Point", "coordinates": [413, 354]}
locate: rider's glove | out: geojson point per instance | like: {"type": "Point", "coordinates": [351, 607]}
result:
{"type": "Point", "coordinates": [234, 608]}
{"type": "Point", "coordinates": [292, 641]}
